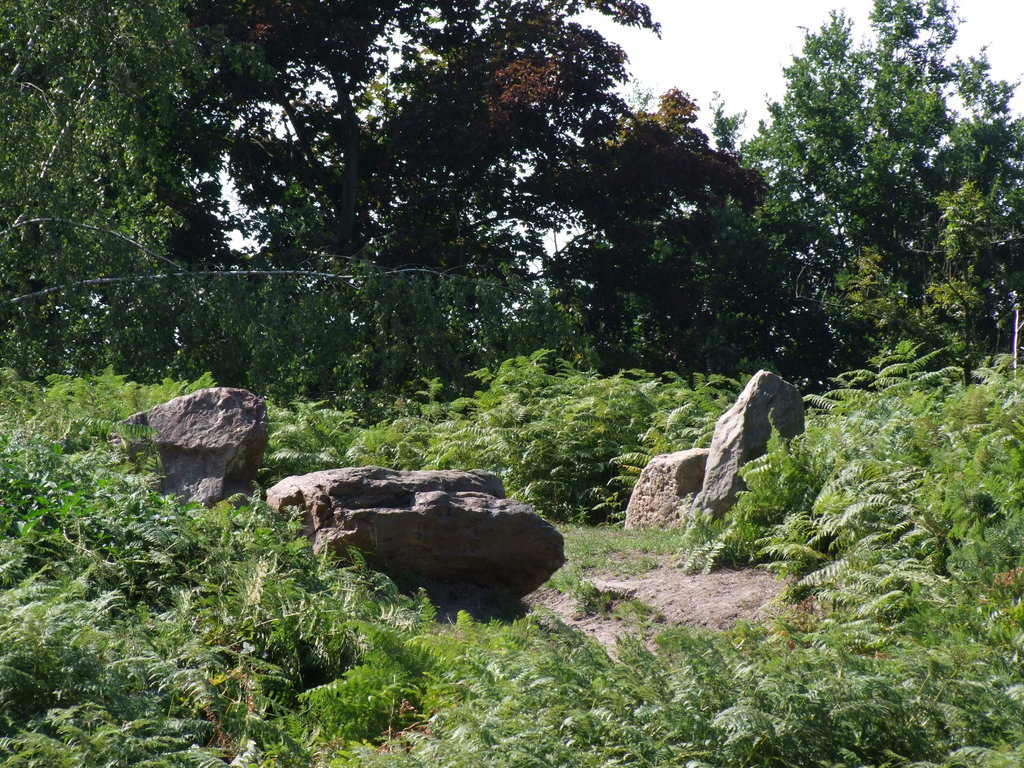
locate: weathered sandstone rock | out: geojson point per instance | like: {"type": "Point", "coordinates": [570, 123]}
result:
{"type": "Point", "coordinates": [447, 526]}
{"type": "Point", "coordinates": [742, 434]}
{"type": "Point", "coordinates": [656, 498]}
{"type": "Point", "coordinates": [211, 442]}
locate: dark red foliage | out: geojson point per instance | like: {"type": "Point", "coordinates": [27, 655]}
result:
{"type": "Point", "coordinates": [465, 134]}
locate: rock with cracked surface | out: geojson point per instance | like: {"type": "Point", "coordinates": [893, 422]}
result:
{"type": "Point", "coordinates": [657, 498]}
{"type": "Point", "coordinates": [448, 526]}
{"type": "Point", "coordinates": [742, 434]}
{"type": "Point", "coordinates": [211, 442]}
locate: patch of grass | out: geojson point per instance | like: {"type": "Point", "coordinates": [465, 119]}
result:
{"type": "Point", "coordinates": [612, 552]}
{"type": "Point", "coordinates": [617, 552]}
{"type": "Point", "coordinates": [636, 612]}
{"type": "Point", "coordinates": [592, 600]}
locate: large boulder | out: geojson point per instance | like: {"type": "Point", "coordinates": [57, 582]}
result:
{"type": "Point", "coordinates": [446, 526]}
{"type": "Point", "coordinates": [665, 481]}
{"type": "Point", "coordinates": [211, 442]}
{"type": "Point", "coordinates": [742, 434]}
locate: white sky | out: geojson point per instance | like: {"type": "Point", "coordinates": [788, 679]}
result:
{"type": "Point", "coordinates": [739, 47]}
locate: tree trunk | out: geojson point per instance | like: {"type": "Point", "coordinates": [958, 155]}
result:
{"type": "Point", "coordinates": [346, 209]}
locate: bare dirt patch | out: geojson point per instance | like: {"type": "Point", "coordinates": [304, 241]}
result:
{"type": "Point", "coordinates": [713, 600]}
{"type": "Point", "coordinates": [609, 607]}
{"type": "Point", "coordinates": [612, 607]}
{"type": "Point", "coordinates": [623, 582]}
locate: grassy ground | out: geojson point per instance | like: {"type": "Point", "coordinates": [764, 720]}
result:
{"type": "Point", "coordinates": [619, 583]}
{"type": "Point", "coordinates": [615, 552]}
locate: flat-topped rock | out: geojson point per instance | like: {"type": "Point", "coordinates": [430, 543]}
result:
{"type": "Point", "coordinates": [449, 526]}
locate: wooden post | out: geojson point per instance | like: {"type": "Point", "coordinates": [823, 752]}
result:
{"type": "Point", "coordinates": [1016, 336]}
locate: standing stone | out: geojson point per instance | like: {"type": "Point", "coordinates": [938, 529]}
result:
{"type": "Point", "coordinates": [742, 434]}
{"type": "Point", "coordinates": [664, 482]}
{"type": "Point", "coordinates": [447, 526]}
{"type": "Point", "coordinates": [211, 442]}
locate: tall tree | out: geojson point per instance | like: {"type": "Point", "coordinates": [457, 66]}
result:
{"type": "Point", "coordinates": [430, 127]}
{"type": "Point", "coordinates": [860, 153]}
{"type": "Point", "coordinates": [366, 147]}
{"type": "Point", "coordinates": [645, 256]}
{"type": "Point", "coordinates": [90, 169]}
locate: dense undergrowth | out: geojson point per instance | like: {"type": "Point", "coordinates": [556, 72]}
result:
{"type": "Point", "coordinates": [137, 631]}
{"type": "Point", "coordinates": [569, 442]}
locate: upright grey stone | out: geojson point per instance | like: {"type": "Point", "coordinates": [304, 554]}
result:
{"type": "Point", "coordinates": [447, 526]}
{"type": "Point", "coordinates": [667, 479]}
{"type": "Point", "coordinates": [742, 434]}
{"type": "Point", "coordinates": [211, 442]}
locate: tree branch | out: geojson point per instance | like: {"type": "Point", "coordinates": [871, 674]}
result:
{"type": "Point", "coordinates": [67, 125]}
{"type": "Point", "coordinates": [313, 274]}
{"type": "Point", "coordinates": [20, 66]}
{"type": "Point", "coordinates": [102, 230]}
{"type": "Point", "coordinates": [182, 272]}
{"type": "Point", "coordinates": [99, 281]}
{"type": "Point", "coordinates": [938, 251]}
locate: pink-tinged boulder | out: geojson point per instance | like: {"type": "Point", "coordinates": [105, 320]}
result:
{"type": "Point", "coordinates": [211, 442]}
{"type": "Point", "coordinates": [656, 501]}
{"type": "Point", "coordinates": [447, 526]}
{"type": "Point", "coordinates": [742, 434]}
